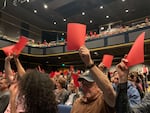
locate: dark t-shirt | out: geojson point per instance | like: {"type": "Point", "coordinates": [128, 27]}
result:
{"type": "Point", "coordinates": [4, 100]}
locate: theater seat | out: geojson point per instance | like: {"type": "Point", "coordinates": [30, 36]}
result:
{"type": "Point", "coordinates": [64, 108]}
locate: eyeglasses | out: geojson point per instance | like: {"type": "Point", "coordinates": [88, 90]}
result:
{"type": "Point", "coordinates": [116, 78]}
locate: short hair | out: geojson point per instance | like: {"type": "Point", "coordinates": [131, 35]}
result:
{"type": "Point", "coordinates": [62, 82]}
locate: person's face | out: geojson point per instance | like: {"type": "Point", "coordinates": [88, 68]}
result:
{"type": "Point", "coordinates": [90, 89]}
{"type": "Point", "coordinates": [58, 85]}
{"type": "Point", "coordinates": [72, 86]}
{"type": "Point", "coordinates": [116, 78]}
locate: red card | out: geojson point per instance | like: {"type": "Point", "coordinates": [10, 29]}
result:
{"type": "Point", "coordinates": [75, 79]}
{"type": "Point", "coordinates": [107, 60]}
{"type": "Point", "coordinates": [52, 74]}
{"type": "Point", "coordinates": [76, 34]}
{"type": "Point", "coordinates": [136, 54]}
{"type": "Point", "coordinates": [20, 45]}
{"type": "Point", "coordinates": [8, 50]}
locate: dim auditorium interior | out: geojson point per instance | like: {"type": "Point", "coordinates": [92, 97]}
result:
{"type": "Point", "coordinates": [112, 26]}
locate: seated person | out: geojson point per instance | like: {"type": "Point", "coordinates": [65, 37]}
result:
{"type": "Point", "coordinates": [133, 93]}
{"type": "Point", "coordinates": [60, 91]}
{"type": "Point", "coordinates": [4, 94]}
{"type": "Point", "coordinates": [73, 93]}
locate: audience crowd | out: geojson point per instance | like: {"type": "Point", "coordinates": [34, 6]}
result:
{"type": "Point", "coordinates": [89, 91]}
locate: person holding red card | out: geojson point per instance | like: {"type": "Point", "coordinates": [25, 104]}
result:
{"type": "Point", "coordinates": [107, 60]}
{"type": "Point", "coordinates": [76, 34]}
{"type": "Point", "coordinates": [31, 91]}
{"type": "Point", "coordinates": [98, 93]}
{"type": "Point", "coordinates": [122, 102]}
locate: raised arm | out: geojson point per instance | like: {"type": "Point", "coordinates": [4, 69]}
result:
{"type": "Point", "coordinates": [20, 69]}
{"type": "Point", "coordinates": [7, 67]}
{"type": "Point", "coordinates": [122, 103]}
{"type": "Point", "coordinates": [13, 94]}
{"type": "Point", "coordinates": [99, 77]}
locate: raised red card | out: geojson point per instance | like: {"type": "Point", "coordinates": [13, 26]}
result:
{"type": "Point", "coordinates": [20, 45]}
{"type": "Point", "coordinates": [136, 54]}
{"type": "Point", "coordinates": [107, 60]}
{"type": "Point", "coordinates": [75, 79]}
{"type": "Point", "coordinates": [76, 34]}
{"type": "Point", "coordinates": [8, 50]}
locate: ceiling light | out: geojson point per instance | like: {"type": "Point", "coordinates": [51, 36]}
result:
{"type": "Point", "coordinates": [123, 0]}
{"type": "Point", "coordinates": [91, 21]}
{"type": "Point", "coordinates": [95, 53]}
{"type": "Point", "coordinates": [64, 19]}
{"type": "Point", "coordinates": [63, 65]}
{"type": "Point", "coordinates": [126, 10]}
{"type": "Point", "coordinates": [59, 57]}
{"type": "Point", "coordinates": [47, 62]}
{"type": "Point", "coordinates": [102, 28]}
{"type": "Point", "coordinates": [83, 13]}
{"type": "Point", "coordinates": [28, 0]}
{"type": "Point", "coordinates": [101, 7]}
{"type": "Point", "coordinates": [107, 16]}
{"type": "Point", "coordinates": [45, 6]}
{"type": "Point", "coordinates": [55, 23]}
{"type": "Point", "coordinates": [35, 11]}
{"type": "Point", "coordinates": [62, 39]}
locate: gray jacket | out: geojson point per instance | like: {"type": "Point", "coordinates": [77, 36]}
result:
{"type": "Point", "coordinates": [4, 101]}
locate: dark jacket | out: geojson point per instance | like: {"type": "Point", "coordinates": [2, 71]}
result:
{"type": "Point", "coordinates": [122, 104]}
{"type": "Point", "coordinates": [4, 101]}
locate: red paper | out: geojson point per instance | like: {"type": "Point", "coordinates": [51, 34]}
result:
{"type": "Point", "coordinates": [52, 74]}
{"type": "Point", "coordinates": [107, 60]}
{"type": "Point", "coordinates": [20, 45]}
{"type": "Point", "coordinates": [75, 79]}
{"type": "Point", "coordinates": [76, 34]}
{"type": "Point", "coordinates": [8, 50]}
{"type": "Point", "coordinates": [136, 54]}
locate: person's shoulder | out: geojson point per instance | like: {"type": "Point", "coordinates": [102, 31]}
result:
{"type": "Point", "coordinates": [5, 94]}
{"type": "Point", "coordinates": [147, 97]}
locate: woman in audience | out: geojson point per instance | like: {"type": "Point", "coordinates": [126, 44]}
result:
{"type": "Point", "coordinates": [12, 77]}
{"type": "Point", "coordinates": [73, 93]}
{"type": "Point", "coordinates": [60, 91]}
{"type": "Point", "coordinates": [34, 94]}
{"type": "Point", "coordinates": [4, 94]}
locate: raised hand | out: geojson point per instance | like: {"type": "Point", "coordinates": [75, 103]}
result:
{"type": "Point", "coordinates": [123, 71]}
{"type": "Point", "coordinates": [85, 55]}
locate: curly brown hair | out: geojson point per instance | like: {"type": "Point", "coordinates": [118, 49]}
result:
{"type": "Point", "coordinates": [37, 90]}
